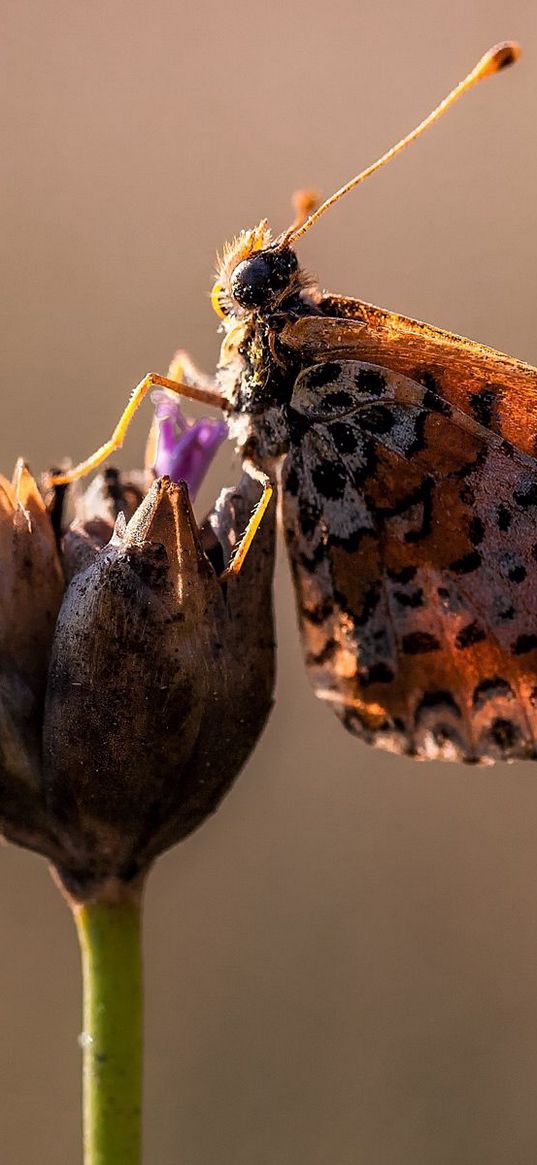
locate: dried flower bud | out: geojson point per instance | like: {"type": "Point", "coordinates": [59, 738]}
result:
{"type": "Point", "coordinates": [125, 718]}
{"type": "Point", "coordinates": [31, 586]}
{"type": "Point", "coordinates": [160, 682]}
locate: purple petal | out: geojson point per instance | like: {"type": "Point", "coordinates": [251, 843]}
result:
{"type": "Point", "coordinates": [184, 449]}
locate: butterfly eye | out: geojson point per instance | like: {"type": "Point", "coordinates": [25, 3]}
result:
{"type": "Point", "coordinates": [260, 280]}
{"type": "Point", "coordinates": [216, 299]}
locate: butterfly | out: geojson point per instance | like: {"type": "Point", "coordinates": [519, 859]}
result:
{"type": "Point", "coordinates": [407, 462]}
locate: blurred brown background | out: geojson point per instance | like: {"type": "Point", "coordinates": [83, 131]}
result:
{"type": "Point", "coordinates": [342, 965]}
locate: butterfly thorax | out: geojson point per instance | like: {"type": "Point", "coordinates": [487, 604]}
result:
{"type": "Point", "coordinates": [256, 375]}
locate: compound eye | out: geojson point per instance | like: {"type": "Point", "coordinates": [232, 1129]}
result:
{"type": "Point", "coordinates": [258, 281]}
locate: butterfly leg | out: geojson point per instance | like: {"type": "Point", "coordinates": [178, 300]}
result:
{"type": "Point", "coordinates": [243, 546]}
{"type": "Point", "coordinates": [183, 369]}
{"type": "Point", "coordinates": [207, 395]}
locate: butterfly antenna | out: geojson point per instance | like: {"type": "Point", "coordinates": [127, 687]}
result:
{"type": "Point", "coordinates": [497, 58]}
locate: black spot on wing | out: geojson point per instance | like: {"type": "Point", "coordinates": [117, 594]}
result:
{"type": "Point", "coordinates": [308, 517]}
{"type": "Point", "coordinates": [504, 733]}
{"type": "Point", "coordinates": [437, 699]}
{"type": "Point", "coordinates": [378, 673]}
{"type": "Point", "coordinates": [322, 374]}
{"type": "Point", "coordinates": [420, 642]}
{"type": "Point", "coordinates": [343, 436]}
{"type": "Point", "coordinates": [340, 400]}
{"type": "Point", "coordinates": [379, 419]}
{"type": "Point", "coordinates": [404, 575]}
{"type": "Point", "coordinates": [517, 574]}
{"type": "Point", "coordinates": [493, 687]}
{"type": "Point", "coordinates": [526, 495]}
{"type": "Point", "coordinates": [319, 614]}
{"type": "Point", "coordinates": [330, 479]}
{"type": "Point", "coordinates": [471, 634]}
{"type": "Point", "coordinates": [468, 563]}
{"type": "Point", "coordinates": [476, 531]}
{"type": "Point", "coordinates": [412, 598]}
{"type": "Point", "coordinates": [482, 406]}
{"type": "Point", "coordinates": [369, 605]}
{"type": "Point", "coordinates": [511, 566]}
{"type": "Point", "coordinates": [327, 653]}
{"type": "Point", "coordinates": [504, 518]}
{"type": "Point", "coordinates": [371, 381]}
{"type": "Point", "coordinates": [524, 643]}
{"type": "Point", "coordinates": [502, 609]}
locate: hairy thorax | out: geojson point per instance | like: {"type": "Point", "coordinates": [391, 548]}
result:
{"type": "Point", "coordinates": [256, 374]}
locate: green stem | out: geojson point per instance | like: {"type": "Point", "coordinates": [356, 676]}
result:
{"type": "Point", "coordinates": [109, 933]}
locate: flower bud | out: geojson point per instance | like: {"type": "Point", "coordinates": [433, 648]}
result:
{"type": "Point", "coordinates": [160, 682]}
{"type": "Point", "coordinates": [31, 586]}
{"type": "Point", "coordinates": [184, 449]}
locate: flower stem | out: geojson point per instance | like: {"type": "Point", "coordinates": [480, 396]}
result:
{"type": "Point", "coordinates": [109, 933]}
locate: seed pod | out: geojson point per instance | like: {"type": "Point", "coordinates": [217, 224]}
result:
{"type": "Point", "coordinates": [160, 682]}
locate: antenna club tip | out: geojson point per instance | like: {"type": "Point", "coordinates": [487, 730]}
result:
{"type": "Point", "coordinates": [499, 57]}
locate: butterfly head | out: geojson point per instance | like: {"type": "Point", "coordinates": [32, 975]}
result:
{"type": "Point", "coordinates": [254, 274]}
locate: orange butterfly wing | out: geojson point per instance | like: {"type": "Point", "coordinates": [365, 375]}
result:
{"type": "Point", "coordinates": [497, 390]}
{"type": "Point", "coordinates": [412, 536]}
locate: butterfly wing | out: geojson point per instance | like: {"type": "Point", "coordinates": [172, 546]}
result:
{"type": "Point", "coordinates": [412, 536]}
{"type": "Point", "coordinates": [497, 390]}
